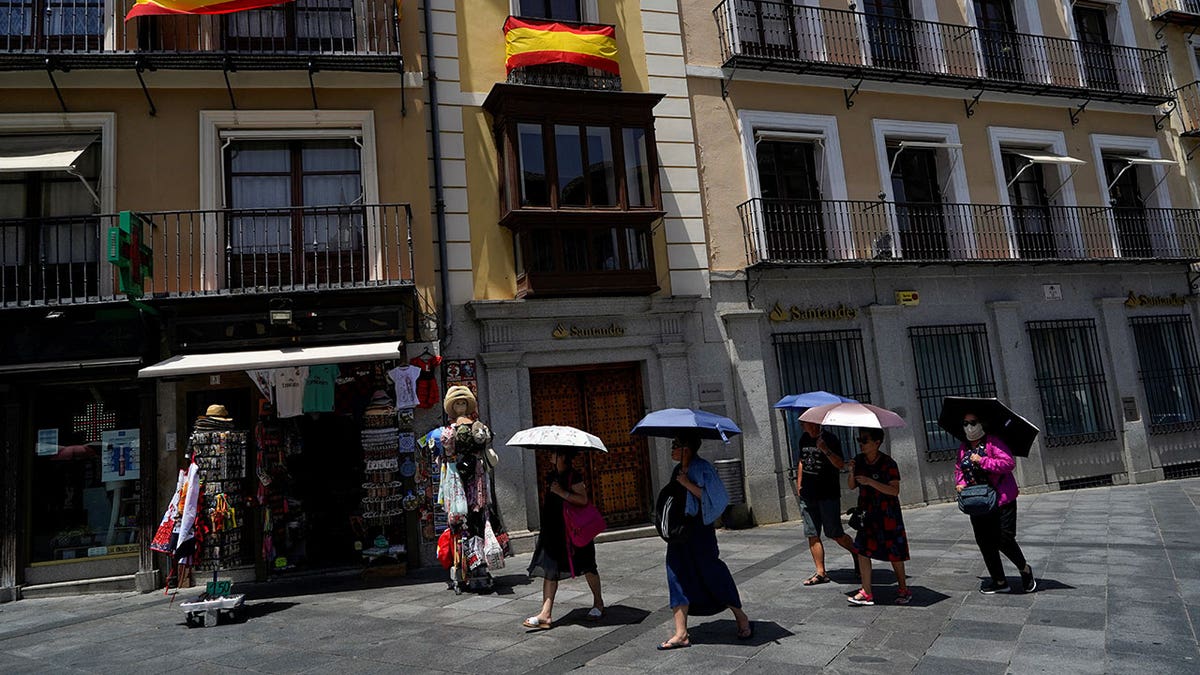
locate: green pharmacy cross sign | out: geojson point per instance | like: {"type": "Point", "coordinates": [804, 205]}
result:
{"type": "Point", "coordinates": [133, 259]}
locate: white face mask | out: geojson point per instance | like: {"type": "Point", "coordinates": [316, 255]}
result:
{"type": "Point", "coordinates": [974, 431]}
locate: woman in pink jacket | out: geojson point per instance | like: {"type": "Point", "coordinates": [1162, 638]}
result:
{"type": "Point", "coordinates": [985, 459]}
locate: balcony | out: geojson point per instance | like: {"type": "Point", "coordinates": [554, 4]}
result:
{"type": "Point", "coordinates": [565, 75]}
{"type": "Point", "coordinates": [787, 232]}
{"type": "Point", "coordinates": [337, 35]}
{"type": "Point", "coordinates": [781, 36]}
{"type": "Point", "coordinates": [1182, 12]}
{"type": "Point", "coordinates": [61, 261]}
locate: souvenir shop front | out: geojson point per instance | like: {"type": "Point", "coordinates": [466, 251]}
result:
{"type": "Point", "coordinates": [307, 455]}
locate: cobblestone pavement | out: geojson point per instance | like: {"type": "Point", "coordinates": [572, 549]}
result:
{"type": "Point", "coordinates": [1119, 591]}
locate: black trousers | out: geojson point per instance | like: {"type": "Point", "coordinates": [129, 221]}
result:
{"type": "Point", "coordinates": [996, 533]}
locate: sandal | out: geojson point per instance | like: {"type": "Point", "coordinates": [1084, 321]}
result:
{"type": "Point", "coordinates": [816, 579]}
{"type": "Point", "coordinates": [669, 645]}
{"type": "Point", "coordinates": [903, 596]}
{"type": "Point", "coordinates": [595, 614]}
{"type": "Point", "coordinates": [536, 623]}
{"type": "Point", "coordinates": [747, 632]}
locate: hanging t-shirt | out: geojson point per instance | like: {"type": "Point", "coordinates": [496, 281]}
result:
{"type": "Point", "coordinates": [353, 388]}
{"type": "Point", "coordinates": [318, 388]}
{"type": "Point", "coordinates": [289, 391]}
{"type": "Point", "coordinates": [405, 379]}
{"type": "Point", "coordinates": [427, 385]}
{"type": "Point", "coordinates": [264, 379]}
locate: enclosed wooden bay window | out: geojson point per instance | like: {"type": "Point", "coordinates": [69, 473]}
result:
{"type": "Point", "coordinates": [578, 188]}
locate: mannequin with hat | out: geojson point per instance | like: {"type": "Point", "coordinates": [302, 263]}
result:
{"type": "Point", "coordinates": [465, 491]}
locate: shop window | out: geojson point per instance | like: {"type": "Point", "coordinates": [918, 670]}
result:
{"type": "Point", "coordinates": [298, 215]}
{"type": "Point", "coordinates": [85, 473]}
{"type": "Point", "coordinates": [1070, 380]}
{"type": "Point", "coordinates": [579, 189]}
{"type": "Point", "coordinates": [49, 232]}
{"type": "Point", "coordinates": [950, 361]}
{"type": "Point", "coordinates": [1170, 371]}
{"type": "Point", "coordinates": [829, 361]}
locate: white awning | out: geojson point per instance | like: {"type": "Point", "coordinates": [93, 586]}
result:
{"type": "Point", "coordinates": [1148, 160]}
{"type": "Point", "coordinates": [929, 144]}
{"type": "Point", "coordinates": [794, 136]}
{"type": "Point", "coordinates": [43, 153]}
{"type": "Point", "coordinates": [1047, 158]}
{"type": "Point", "coordinates": [194, 364]}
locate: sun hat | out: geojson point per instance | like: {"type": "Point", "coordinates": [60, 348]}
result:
{"type": "Point", "coordinates": [459, 393]}
{"type": "Point", "coordinates": [218, 412]}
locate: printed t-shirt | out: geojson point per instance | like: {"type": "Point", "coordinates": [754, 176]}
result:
{"type": "Point", "coordinates": [820, 479]}
{"type": "Point", "coordinates": [264, 379]}
{"type": "Point", "coordinates": [405, 379]}
{"type": "Point", "coordinates": [353, 388]}
{"type": "Point", "coordinates": [318, 388]}
{"type": "Point", "coordinates": [289, 391]}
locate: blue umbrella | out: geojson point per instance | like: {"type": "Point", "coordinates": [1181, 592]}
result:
{"type": "Point", "coordinates": [810, 399]}
{"type": "Point", "coordinates": [670, 422]}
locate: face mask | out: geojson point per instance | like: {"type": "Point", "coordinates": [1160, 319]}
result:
{"type": "Point", "coordinates": [973, 432]}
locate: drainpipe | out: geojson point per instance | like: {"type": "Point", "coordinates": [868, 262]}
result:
{"type": "Point", "coordinates": [439, 197]}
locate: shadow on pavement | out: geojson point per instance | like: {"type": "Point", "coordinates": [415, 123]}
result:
{"type": "Point", "coordinates": [1044, 584]}
{"type": "Point", "coordinates": [614, 615]}
{"type": "Point", "coordinates": [724, 632]}
{"type": "Point", "coordinates": [257, 609]}
{"type": "Point", "coordinates": [504, 585]}
{"type": "Point", "coordinates": [921, 595]}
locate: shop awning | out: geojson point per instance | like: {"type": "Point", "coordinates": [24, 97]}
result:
{"type": "Point", "coordinates": [195, 364]}
{"type": "Point", "coordinates": [44, 366]}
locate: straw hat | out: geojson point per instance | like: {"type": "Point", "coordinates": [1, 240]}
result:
{"type": "Point", "coordinates": [459, 393]}
{"type": "Point", "coordinates": [218, 412]}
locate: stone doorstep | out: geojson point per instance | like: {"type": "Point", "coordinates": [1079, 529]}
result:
{"type": "Point", "coordinates": [117, 584]}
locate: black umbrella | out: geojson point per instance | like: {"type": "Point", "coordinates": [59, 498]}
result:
{"type": "Point", "coordinates": [1017, 432]}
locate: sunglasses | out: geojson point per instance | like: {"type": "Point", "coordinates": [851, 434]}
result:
{"type": "Point", "coordinates": [970, 423]}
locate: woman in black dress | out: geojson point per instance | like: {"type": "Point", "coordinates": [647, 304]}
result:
{"type": "Point", "coordinates": [553, 558]}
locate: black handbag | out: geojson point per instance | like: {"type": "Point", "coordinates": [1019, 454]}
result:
{"type": "Point", "coordinates": [978, 500]}
{"type": "Point", "coordinates": [856, 517]}
{"type": "Point", "coordinates": [670, 513]}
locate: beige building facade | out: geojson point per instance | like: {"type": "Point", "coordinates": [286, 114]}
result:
{"type": "Point", "coordinates": [907, 199]}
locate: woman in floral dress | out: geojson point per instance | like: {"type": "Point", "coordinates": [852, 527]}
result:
{"type": "Point", "coordinates": [882, 535]}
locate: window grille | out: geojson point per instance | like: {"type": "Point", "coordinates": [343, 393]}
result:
{"type": "Point", "coordinates": [829, 361]}
{"type": "Point", "coordinates": [1170, 371]}
{"type": "Point", "coordinates": [950, 361]}
{"type": "Point", "coordinates": [1070, 380]}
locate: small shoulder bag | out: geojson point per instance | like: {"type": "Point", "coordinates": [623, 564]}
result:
{"type": "Point", "coordinates": [978, 499]}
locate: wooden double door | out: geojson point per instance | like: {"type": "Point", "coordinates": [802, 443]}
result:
{"type": "Point", "coordinates": [605, 401]}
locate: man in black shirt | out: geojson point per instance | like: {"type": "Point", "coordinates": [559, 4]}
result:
{"type": "Point", "coordinates": [819, 487]}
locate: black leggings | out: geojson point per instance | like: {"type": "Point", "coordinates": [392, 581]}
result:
{"type": "Point", "coordinates": [996, 533]}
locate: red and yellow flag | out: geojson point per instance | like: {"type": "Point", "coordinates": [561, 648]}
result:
{"type": "Point", "coordinates": [151, 7]}
{"type": "Point", "coordinates": [529, 42]}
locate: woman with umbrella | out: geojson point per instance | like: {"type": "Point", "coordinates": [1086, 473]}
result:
{"type": "Point", "coordinates": [698, 581]}
{"type": "Point", "coordinates": [882, 534]}
{"type": "Point", "coordinates": [984, 459]}
{"type": "Point", "coordinates": [554, 558]}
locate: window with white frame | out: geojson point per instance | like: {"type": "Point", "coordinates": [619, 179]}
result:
{"type": "Point", "coordinates": [50, 235]}
{"type": "Point", "coordinates": [796, 183]}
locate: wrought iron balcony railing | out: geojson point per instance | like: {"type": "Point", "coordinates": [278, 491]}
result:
{"type": "Point", "coordinates": [361, 35]}
{"type": "Point", "coordinates": [565, 75]}
{"type": "Point", "coordinates": [783, 36]}
{"type": "Point", "coordinates": [809, 231]}
{"type": "Point", "coordinates": [1186, 12]}
{"type": "Point", "coordinates": [62, 261]}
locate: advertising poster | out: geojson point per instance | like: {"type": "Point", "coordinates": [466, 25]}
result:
{"type": "Point", "coordinates": [119, 454]}
{"type": "Point", "coordinates": [47, 442]}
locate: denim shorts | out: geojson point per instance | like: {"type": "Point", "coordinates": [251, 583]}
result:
{"type": "Point", "coordinates": [822, 514]}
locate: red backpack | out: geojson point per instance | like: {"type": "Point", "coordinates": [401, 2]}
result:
{"type": "Point", "coordinates": [445, 549]}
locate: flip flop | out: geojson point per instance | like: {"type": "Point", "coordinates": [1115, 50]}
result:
{"type": "Point", "coordinates": [595, 614]}
{"type": "Point", "coordinates": [816, 579]}
{"type": "Point", "coordinates": [534, 623]}
{"type": "Point", "coordinates": [668, 645]}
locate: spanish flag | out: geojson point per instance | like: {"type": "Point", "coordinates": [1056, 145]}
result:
{"type": "Point", "coordinates": [530, 42]}
{"type": "Point", "coordinates": [151, 7]}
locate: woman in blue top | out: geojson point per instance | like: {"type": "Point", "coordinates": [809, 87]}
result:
{"type": "Point", "coordinates": [699, 583]}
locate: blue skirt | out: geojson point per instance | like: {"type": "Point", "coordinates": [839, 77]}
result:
{"type": "Point", "coordinates": [696, 576]}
